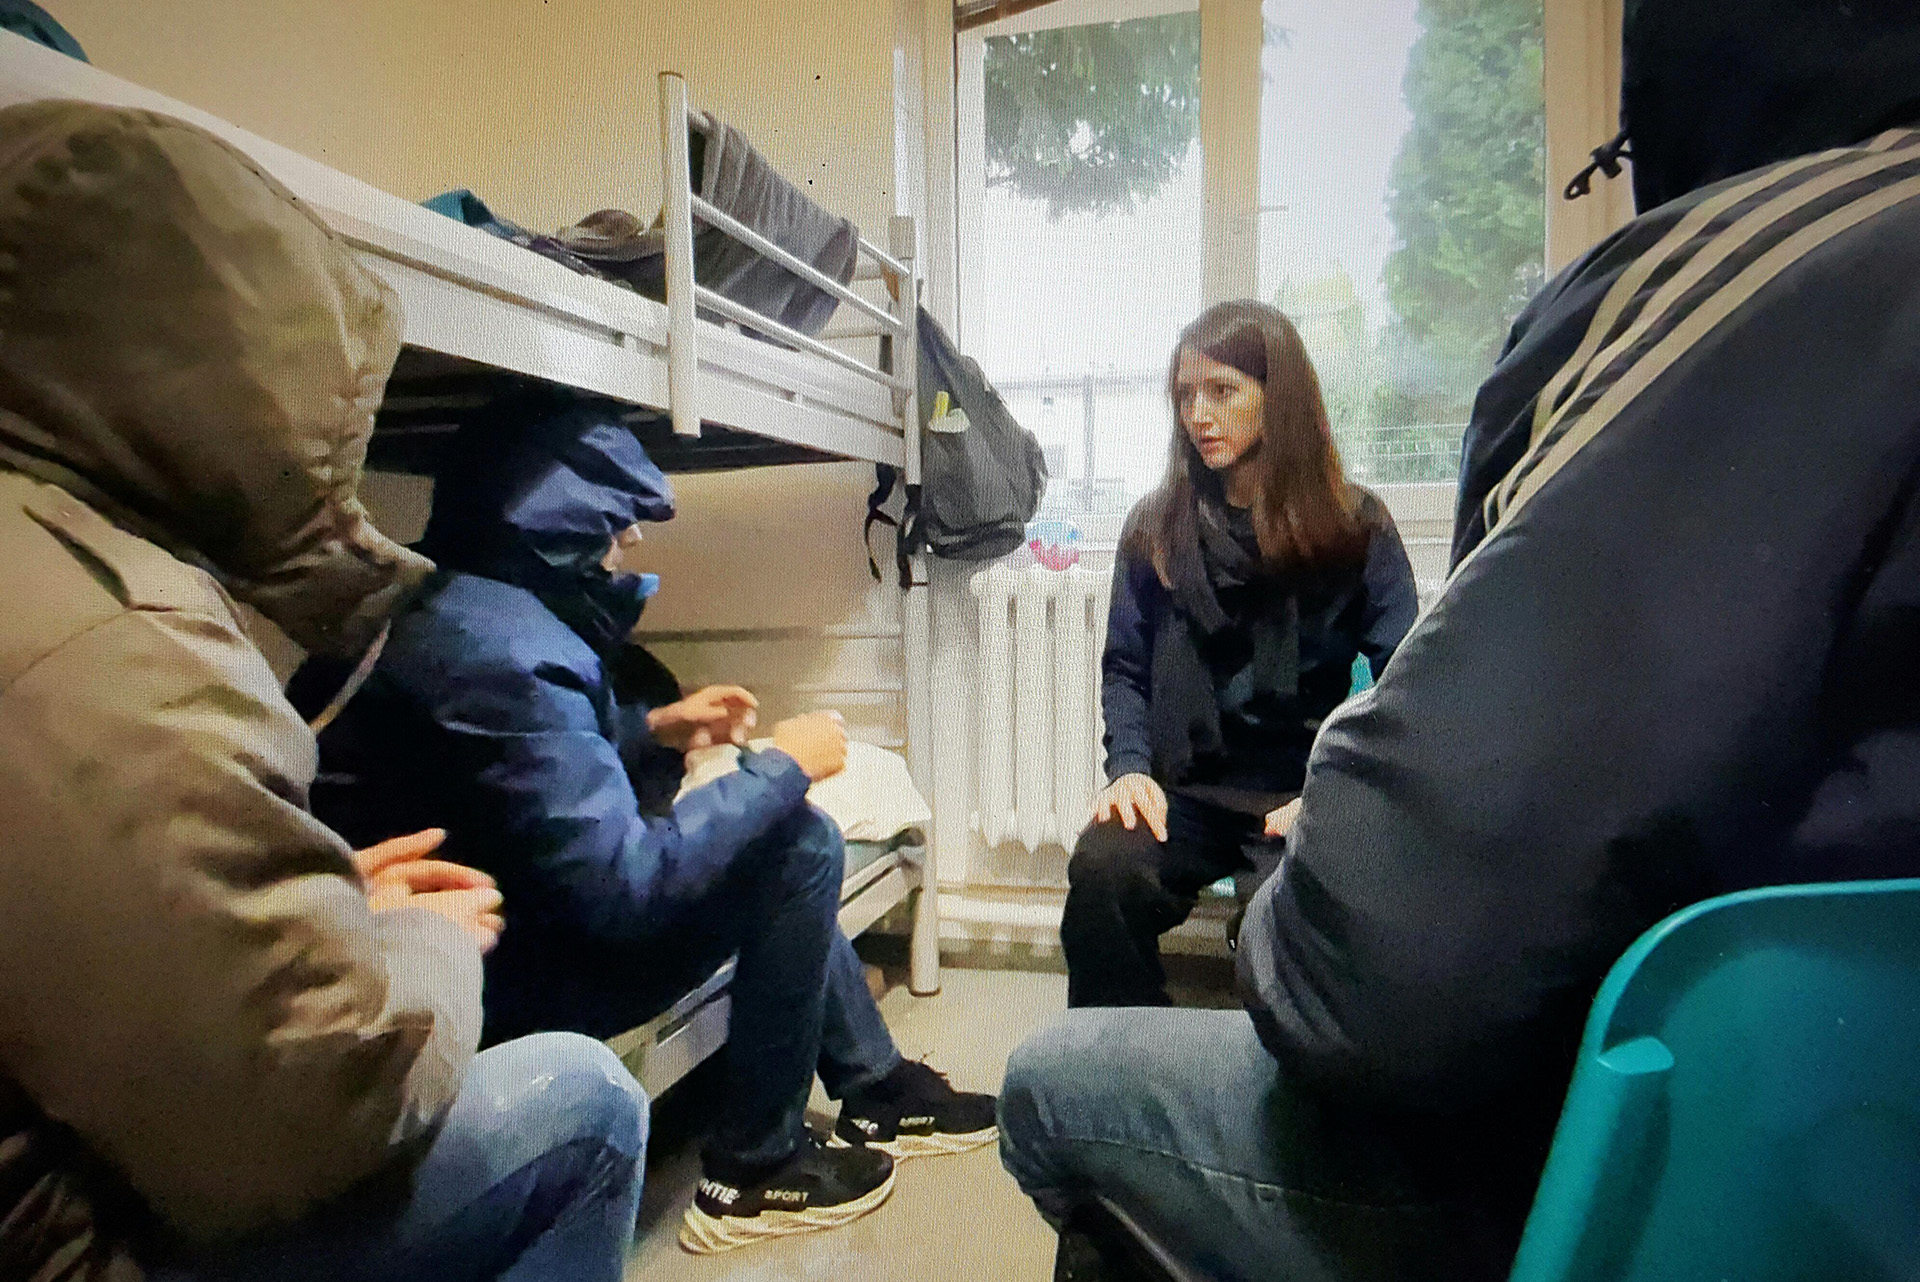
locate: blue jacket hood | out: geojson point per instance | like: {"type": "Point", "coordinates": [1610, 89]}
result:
{"type": "Point", "coordinates": [1711, 89]}
{"type": "Point", "coordinates": [535, 497]}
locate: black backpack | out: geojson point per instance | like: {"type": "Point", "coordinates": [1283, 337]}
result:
{"type": "Point", "coordinates": [980, 486]}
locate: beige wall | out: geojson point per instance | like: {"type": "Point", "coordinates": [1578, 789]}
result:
{"type": "Point", "coordinates": [549, 110]}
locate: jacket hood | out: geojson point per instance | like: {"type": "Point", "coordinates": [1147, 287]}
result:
{"type": "Point", "coordinates": [1710, 89]}
{"type": "Point", "coordinates": [533, 496]}
{"type": "Point", "coordinates": [187, 349]}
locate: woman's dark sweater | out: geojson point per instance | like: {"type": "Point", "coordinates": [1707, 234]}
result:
{"type": "Point", "coordinates": [1366, 610]}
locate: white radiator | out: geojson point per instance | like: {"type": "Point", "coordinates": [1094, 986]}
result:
{"type": "Point", "coordinates": [1037, 754]}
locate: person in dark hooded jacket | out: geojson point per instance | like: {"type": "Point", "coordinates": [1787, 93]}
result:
{"type": "Point", "coordinates": [507, 705]}
{"type": "Point", "coordinates": [1676, 657]}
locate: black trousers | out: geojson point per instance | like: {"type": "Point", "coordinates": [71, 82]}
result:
{"type": "Point", "coordinates": [1126, 889]}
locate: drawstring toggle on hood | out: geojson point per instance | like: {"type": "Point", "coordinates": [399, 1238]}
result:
{"type": "Point", "coordinates": [1606, 160]}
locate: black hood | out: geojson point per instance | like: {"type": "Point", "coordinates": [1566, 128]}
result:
{"type": "Point", "coordinates": [1713, 88]}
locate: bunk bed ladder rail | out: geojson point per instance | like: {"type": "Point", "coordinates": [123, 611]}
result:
{"type": "Point", "coordinates": [686, 296]}
{"type": "Point", "coordinates": [896, 323]}
{"type": "Point", "coordinates": [916, 632]}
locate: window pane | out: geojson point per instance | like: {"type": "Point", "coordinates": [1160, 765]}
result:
{"type": "Point", "coordinates": [1402, 153]}
{"type": "Point", "coordinates": [1087, 262]}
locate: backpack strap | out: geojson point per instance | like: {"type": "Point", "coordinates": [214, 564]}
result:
{"type": "Point", "coordinates": [886, 479]}
{"type": "Point", "coordinates": [910, 529]}
{"type": "Point", "coordinates": [913, 537]}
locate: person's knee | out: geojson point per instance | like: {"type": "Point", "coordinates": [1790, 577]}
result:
{"type": "Point", "coordinates": [1109, 860]}
{"type": "Point", "coordinates": [1043, 1076]}
{"type": "Point", "coordinates": [1069, 1046]}
{"type": "Point", "coordinates": [815, 856]}
{"type": "Point", "coordinates": [1022, 1090]}
{"type": "Point", "coordinates": [560, 1088]}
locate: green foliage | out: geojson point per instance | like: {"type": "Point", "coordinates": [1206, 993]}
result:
{"type": "Point", "coordinates": [1467, 191]}
{"type": "Point", "coordinates": [1093, 119]}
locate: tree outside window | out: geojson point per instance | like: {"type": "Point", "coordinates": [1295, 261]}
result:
{"type": "Point", "coordinates": [1101, 119]}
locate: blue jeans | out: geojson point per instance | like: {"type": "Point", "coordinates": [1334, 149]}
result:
{"type": "Point", "coordinates": [1183, 1120]}
{"type": "Point", "coordinates": [534, 1177]}
{"type": "Point", "coordinates": [799, 992]}
{"type": "Point", "coordinates": [800, 999]}
{"type": "Point", "coordinates": [856, 1049]}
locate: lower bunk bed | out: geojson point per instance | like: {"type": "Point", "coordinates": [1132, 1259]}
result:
{"type": "Point", "coordinates": [880, 876]}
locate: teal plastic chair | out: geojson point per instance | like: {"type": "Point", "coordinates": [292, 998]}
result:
{"type": "Point", "coordinates": [1746, 1104]}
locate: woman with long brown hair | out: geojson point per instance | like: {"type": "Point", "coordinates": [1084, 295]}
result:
{"type": "Point", "coordinates": [1245, 585]}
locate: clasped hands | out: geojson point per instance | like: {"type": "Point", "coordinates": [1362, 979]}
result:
{"type": "Point", "coordinates": [400, 873]}
{"type": "Point", "coordinates": [817, 741]}
{"type": "Point", "coordinates": [709, 716]}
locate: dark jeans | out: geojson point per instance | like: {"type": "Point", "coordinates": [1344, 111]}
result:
{"type": "Point", "coordinates": [1125, 890]}
{"type": "Point", "coordinates": [799, 992]}
{"type": "Point", "coordinates": [1182, 1120]}
{"type": "Point", "coordinates": [534, 1177]}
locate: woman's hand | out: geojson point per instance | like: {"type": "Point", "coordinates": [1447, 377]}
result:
{"type": "Point", "coordinates": [1132, 799]}
{"type": "Point", "coordinates": [1280, 821]}
{"type": "Point", "coordinates": [716, 714]}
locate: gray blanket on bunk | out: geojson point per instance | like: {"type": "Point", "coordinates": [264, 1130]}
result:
{"type": "Point", "coordinates": [739, 181]}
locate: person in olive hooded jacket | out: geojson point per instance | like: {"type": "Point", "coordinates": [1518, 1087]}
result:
{"type": "Point", "coordinates": [230, 1045]}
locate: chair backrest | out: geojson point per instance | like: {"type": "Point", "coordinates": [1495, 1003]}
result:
{"type": "Point", "coordinates": [1747, 1100]}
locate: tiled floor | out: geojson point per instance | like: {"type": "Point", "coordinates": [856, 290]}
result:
{"type": "Point", "coordinates": [950, 1218]}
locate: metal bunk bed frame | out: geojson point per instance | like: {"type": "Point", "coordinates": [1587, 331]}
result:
{"type": "Point", "coordinates": [481, 314]}
{"type": "Point", "coordinates": [667, 1047]}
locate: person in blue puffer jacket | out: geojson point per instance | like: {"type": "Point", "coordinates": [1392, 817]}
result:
{"type": "Point", "coordinates": [504, 709]}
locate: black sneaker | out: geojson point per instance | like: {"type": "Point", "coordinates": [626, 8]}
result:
{"type": "Point", "coordinates": [915, 1113]}
{"type": "Point", "coordinates": [817, 1188]}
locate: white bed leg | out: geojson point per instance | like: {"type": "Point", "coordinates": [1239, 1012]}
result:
{"type": "Point", "coordinates": [923, 967]}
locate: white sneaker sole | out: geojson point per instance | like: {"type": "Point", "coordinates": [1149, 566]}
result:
{"type": "Point", "coordinates": [926, 1145]}
{"type": "Point", "coordinates": [704, 1234]}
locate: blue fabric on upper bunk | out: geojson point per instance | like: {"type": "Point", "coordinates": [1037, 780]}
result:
{"type": "Point", "coordinates": [463, 206]}
{"type": "Point", "coordinates": [36, 24]}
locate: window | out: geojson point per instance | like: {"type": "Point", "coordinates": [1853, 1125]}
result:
{"type": "Point", "coordinates": [1400, 215]}
{"type": "Point", "coordinates": [1080, 181]}
{"type": "Point", "coordinates": [1403, 209]}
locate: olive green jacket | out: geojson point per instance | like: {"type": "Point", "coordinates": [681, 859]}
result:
{"type": "Point", "coordinates": [204, 1032]}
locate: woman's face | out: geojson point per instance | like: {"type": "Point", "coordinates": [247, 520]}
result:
{"type": "Point", "coordinates": [1221, 409]}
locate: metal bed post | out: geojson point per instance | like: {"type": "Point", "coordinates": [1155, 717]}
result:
{"type": "Point", "coordinates": [923, 972]}
{"type": "Point", "coordinates": [676, 202]}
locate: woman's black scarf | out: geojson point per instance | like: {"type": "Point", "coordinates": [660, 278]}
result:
{"type": "Point", "coordinates": [1207, 552]}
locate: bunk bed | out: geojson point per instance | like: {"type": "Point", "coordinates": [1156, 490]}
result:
{"type": "Point", "coordinates": [484, 317]}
